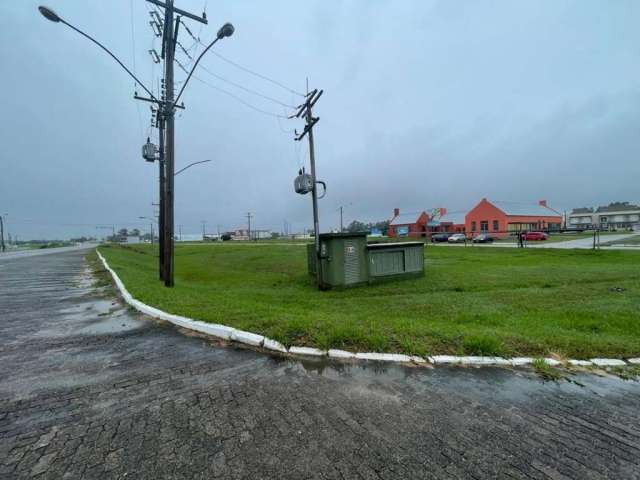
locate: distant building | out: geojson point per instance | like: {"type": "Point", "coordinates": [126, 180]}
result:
{"type": "Point", "coordinates": [243, 234]}
{"type": "Point", "coordinates": [131, 239]}
{"type": "Point", "coordinates": [501, 218]}
{"type": "Point", "coordinates": [615, 216]}
{"type": "Point", "coordinates": [408, 224]}
{"type": "Point", "coordinates": [580, 219]}
{"type": "Point", "coordinates": [442, 221]}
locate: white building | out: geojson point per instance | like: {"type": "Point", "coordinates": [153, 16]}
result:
{"type": "Point", "coordinates": [615, 216]}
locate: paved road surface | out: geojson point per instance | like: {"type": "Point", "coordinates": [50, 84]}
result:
{"type": "Point", "coordinates": [9, 254]}
{"type": "Point", "coordinates": [90, 389]}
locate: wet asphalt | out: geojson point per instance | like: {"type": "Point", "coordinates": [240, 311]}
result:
{"type": "Point", "coordinates": [91, 389]}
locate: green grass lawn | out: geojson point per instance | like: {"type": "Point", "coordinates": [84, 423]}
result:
{"type": "Point", "coordinates": [482, 301]}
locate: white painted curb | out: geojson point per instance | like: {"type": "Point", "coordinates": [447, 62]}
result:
{"type": "Point", "coordinates": [231, 334]}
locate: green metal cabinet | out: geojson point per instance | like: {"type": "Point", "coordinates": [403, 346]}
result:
{"type": "Point", "coordinates": [347, 260]}
{"type": "Point", "coordinates": [395, 260]}
{"type": "Point", "coordinates": [344, 259]}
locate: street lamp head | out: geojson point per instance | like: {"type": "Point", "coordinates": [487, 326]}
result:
{"type": "Point", "coordinates": [49, 14]}
{"type": "Point", "coordinates": [226, 31]}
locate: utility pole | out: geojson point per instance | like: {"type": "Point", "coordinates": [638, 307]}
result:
{"type": "Point", "coordinates": [310, 121]}
{"type": "Point", "coordinates": [341, 227]}
{"type": "Point", "coordinates": [2, 246]}
{"type": "Point", "coordinates": [167, 108]}
{"type": "Point", "coordinates": [161, 202]}
{"type": "Point", "coordinates": [204, 224]}
{"type": "Point", "coordinates": [168, 47]}
{"type": "Point", "coordinates": [180, 232]}
{"type": "Point", "coordinates": [249, 216]}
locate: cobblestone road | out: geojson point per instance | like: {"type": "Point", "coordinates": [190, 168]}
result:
{"type": "Point", "coordinates": [91, 390]}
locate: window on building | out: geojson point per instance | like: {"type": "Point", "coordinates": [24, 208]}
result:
{"type": "Point", "coordinates": [496, 225]}
{"type": "Point", "coordinates": [484, 226]}
{"type": "Point", "coordinates": [473, 226]}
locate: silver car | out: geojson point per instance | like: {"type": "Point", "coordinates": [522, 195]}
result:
{"type": "Point", "coordinates": [457, 238]}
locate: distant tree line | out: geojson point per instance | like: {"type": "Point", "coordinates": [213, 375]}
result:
{"type": "Point", "coordinates": [357, 226]}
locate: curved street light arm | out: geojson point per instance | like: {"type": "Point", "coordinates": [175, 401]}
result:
{"type": "Point", "coordinates": [112, 56]}
{"type": "Point", "coordinates": [192, 69]}
{"type": "Point", "coordinates": [190, 165]}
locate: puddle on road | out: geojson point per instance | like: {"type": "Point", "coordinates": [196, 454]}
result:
{"type": "Point", "coordinates": [94, 316]}
{"type": "Point", "coordinates": [499, 384]}
{"type": "Point", "coordinates": [114, 323]}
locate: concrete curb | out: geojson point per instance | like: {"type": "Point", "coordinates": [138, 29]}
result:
{"type": "Point", "coordinates": [248, 338]}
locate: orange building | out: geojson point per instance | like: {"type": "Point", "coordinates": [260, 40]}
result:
{"type": "Point", "coordinates": [408, 224]}
{"type": "Point", "coordinates": [500, 219]}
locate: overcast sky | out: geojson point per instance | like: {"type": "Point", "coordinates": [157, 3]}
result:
{"type": "Point", "coordinates": [426, 104]}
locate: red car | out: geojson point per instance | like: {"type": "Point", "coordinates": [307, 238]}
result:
{"type": "Point", "coordinates": [534, 236]}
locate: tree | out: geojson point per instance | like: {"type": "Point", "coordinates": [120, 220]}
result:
{"type": "Point", "coordinates": [135, 232]}
{"type": "Point", "coordinates": [123, 232]}
{"type": "Point", "coordinates": [356, 226]}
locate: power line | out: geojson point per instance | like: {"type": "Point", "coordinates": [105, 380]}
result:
{"type": "Point", "coordinates": [235, 97]}
{"type": "Point", "coordinates": [245, 69]}
{"type": "Point", "coordinates": [242, 87]}
{"type": "Point", "coordinates": [133, 55]}
{"type": "Point", "coordinates": [264, 77]}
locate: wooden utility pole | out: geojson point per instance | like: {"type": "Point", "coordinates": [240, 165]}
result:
{"type": "Point", "coordinates": [310, 121]}
{"type": "Point", "coordinates": [167, 108]}
{"type": "Point", "coordinates": [161, 202]}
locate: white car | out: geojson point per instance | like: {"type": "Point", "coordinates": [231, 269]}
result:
{"type": "Point", "coordinates": [457, 238]}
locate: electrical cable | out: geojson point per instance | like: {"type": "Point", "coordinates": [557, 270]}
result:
{"type": "Point", "coordinates": [133, 55]}
{"type": "Point", "coordinates": [257, 109]}
{"type": "Point", "coordinates": [245, 69]}
{"type": "Point", "coordinates": [237, 85]}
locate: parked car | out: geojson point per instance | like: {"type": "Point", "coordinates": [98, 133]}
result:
{"type": "Point", "coordinates": [534, 236]}
{"type": "Point", "coordinates": [457, 238]}
{"type": "Point", "coordinates": [439, 237]}
{"type": "Point", "coordinates": [483, 238]}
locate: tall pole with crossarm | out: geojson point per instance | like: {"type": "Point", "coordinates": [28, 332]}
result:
{"type": "Point", "coordinates": [167, 107]}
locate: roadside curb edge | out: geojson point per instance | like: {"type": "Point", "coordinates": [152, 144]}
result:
{"type": "Point", "coordinates": [225, 332]}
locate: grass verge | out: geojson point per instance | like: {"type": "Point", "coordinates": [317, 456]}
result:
{"type": "Point", "coordinates": [546, 371]}
{"type": "Point", "coordinates": [484, 301]}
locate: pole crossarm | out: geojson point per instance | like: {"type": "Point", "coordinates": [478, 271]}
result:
{"type": "Point", "coordinates": [153, 100]}
{"type": "Point", "coordinates": [202, 19]}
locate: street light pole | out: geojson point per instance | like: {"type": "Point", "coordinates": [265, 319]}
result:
{"type": "Point", "coordinates": [167, 107]}
{"type": "Point", "coordinates": [151, 229]}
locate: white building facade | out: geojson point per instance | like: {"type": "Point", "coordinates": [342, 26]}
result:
{"type": "Point", "coordinates": [615, 216]}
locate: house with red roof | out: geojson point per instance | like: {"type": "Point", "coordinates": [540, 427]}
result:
{"type": "Point", "coordinates": [408, 224]}
{"type": "Point", "coordinates": [500, 219]}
